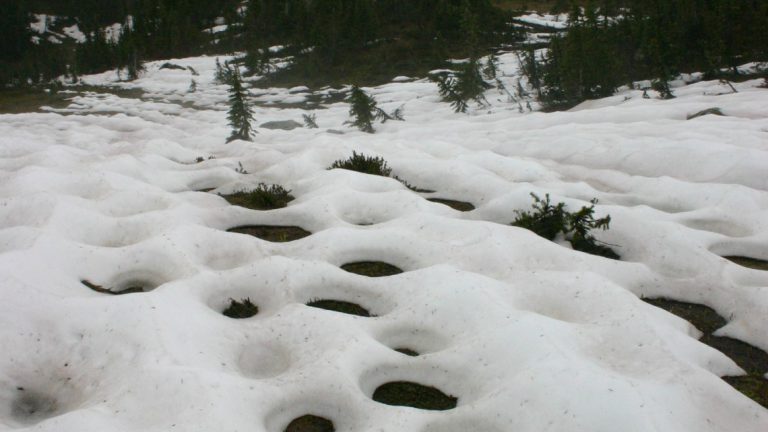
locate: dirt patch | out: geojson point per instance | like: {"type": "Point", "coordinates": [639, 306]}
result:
{"type": "Point", "coordinates": [310, 423]}
{"type": "Point", "coordinates": [340, 306]}
{"type": "Point", "coordinates": [32, 407]}
{"type": "Point", "coordinates": [135, 287]}
{"type": "Point", "coordinates": [755, 387]}
{"type": "Point", "coordinates": [702, 317]}
{"type": "Point", "coordinates": [456, 205]}
{"type": "Point", "coordinates": [272, 233]}
{"type": "Point", "coordinates": [405, 393]}
{"type": "Point", "coordinates": [241, 309]}
{"type": "Point", "coordinates": [752, 263]}
{"type": "Point", "coordinates": [372, 268]}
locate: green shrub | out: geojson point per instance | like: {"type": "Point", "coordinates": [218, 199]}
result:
{"type": "Point", "coordinates": [364, 164]}
{"type": "Point", "coordinates": [241, 309]}
{"type": "Point", "coordinates": [548, 221]}
{"type": "Point", "coordinates": [264, 197]}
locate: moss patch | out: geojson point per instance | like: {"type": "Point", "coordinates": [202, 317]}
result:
{"type": "Point", "coordinates": [134, 288]}
{"type": "Point", "coordinates": [749, 262]}
{"type": "Point", "coordinates": [754, 387]}
{"type": "Point", "coordinates": [372, 268]}
{"type": "Point", "coordinates": [272, 233]}
{"type": "Point", "coordinates": [702, 317]}
{"type": "Point", "coordinates": [750, 358]}
{"type": "Point", "coordinates": [264, 197]}
{"type": "Point", "coordinates": [456, 205]}
{"type": "Point", "coordinates": [310, 423]}
{"type": "Point", "coordinates": [405, 393]}
{"type": "Point", "coordinates": [340, 306]}
{"type": "Point", "coordinates": [407, 351]}
{"type": "Point", "coordinates": [241, 309]}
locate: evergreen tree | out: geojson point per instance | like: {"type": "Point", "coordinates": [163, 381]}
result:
{"type": "Point", "coordinates": [240, 115]}
{"type": "Point", "coordinates": [362, 110]}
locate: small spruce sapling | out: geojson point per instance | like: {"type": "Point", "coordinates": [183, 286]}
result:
{"type": "Point", "coordinates": [240, 115]}
{"type": "Point", "coordinates": [549, 221]}
{"type": "Point", "coordinates": [310, 121]}
{"type": "Point", "coordinates": [364, 111]}
{"type": "Point", "coordinates": [466, 85]}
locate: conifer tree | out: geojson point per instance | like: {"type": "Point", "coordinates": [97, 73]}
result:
{"type": "Point", "coordinates": [240, 115]}
{"type": "Point", "coordinates": [362, 109]}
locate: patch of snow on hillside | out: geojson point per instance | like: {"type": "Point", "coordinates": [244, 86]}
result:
{"type": "Point", "coordinates": [528, 334]}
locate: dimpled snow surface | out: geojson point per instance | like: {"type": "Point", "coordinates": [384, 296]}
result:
{"type": "Point", "coordinates": [120, 192]}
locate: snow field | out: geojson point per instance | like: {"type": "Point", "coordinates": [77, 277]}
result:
{"type": "Point", "coordinates": [526, 333]}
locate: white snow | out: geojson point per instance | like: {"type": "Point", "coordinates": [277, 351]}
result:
{"type": "Point", "coordinates": [74, 32]}
{"type": "Point", "coordinates": [528, 334]}
{"type": "Point", "coordinates": [559, 22]}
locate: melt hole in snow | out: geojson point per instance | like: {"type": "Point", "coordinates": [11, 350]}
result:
{"type": "Point", "coordinates": [407, 351]}
{"type": "Point", "coordinates": [33, 407]}
{"type": "Point", "coordinates": [372, 268]}
{"type": "Point", "coordinates": [456, 205]}
{"type": "Point", "coordinates": [752, 263]}
{"type": "Point", "coordinates": [310, 423]}
{"type": "Point", "coordinates": [340, 306]}
{"type": "Point", "coordinates": [272, 233]}
{"type": "Point", "coordinates": [240, 309]}
{"type": "Point", "coordinates": [406, 393]}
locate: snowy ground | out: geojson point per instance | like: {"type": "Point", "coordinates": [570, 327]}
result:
{"type": "Point", "coordinates": [528, 334]}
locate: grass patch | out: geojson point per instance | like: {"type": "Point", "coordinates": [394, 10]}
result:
{"type": "Point", "coordinates": [456, 205]}
{"type": "Point", "coordinates": [754, 387]}
{"type": "Point", "coordinates": [372, 268]}
{"type": "Point", "coordinates": [272, 233]}
{"type": "Point", "coordinates": [264, 197]}
{"type": "Point", "coordinates": [340, 306]}
{"type": "Point", "coordinates": [708, 111]}
{"type": "Point", "coordinates": [702, 317]}
{"type": "Point", "coordinates": [405, 393]}
{"type": "Point", "coordinates": [310, 423]}
{"type": "Point", "coordinates": [748, 357]}
{"type": "Point", "coordinates": [241, 309]}
{"type": "Point", "coordinates": [752, 263]}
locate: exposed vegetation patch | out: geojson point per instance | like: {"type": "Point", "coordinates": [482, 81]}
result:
{"type": "Point", "coordinates": [361, 163]}
{"type": "Point", "coordinates": [135, 287]}
{"type": "Point", "coordinates": [406, 393]}
{"type": "Point", "coordinates": [273, 233]}
{"type": "Point", "coordinates": [549, 221]}
{"type": "Point", "coordinates": [750, 358]}
{"type": "Point", "coordinates": [310, 423]}
{"type": "Point", "coordinates": [708, 111]}
{"type": "Point", "coordinates": [752, 263]}
{"type": "Point", "coordinates": [702, 317]}
{"type": "Point", "coordinates": [340, 306]}
{"type": "Point", "coordinates": [372, 268]}
{"type": "Point", "coordinates": [264, 197]}
{"type": "Point", "coordinates": [456, 205]}
{"type": "Point", "coordinates": [243, 308]}
{"type": "Point", "coordinates": [407, 351]}
{"type": "Point", "coordinates": [754, 387]}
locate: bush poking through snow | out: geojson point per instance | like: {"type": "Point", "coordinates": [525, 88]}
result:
{"type": "Point", "coordinates": [364, 111]}
{"type": "Point", "coordinates": [364, 164]}
{"type": "Point", "coordinates": [241, 309]}
{"type": "Point", "coordinates": [549, 221]}
{"type": "Point", "coordinates": [264, 197]}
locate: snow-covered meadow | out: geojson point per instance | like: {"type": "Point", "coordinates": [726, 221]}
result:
{"type": "Point", "coordinates": [528, 334]}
